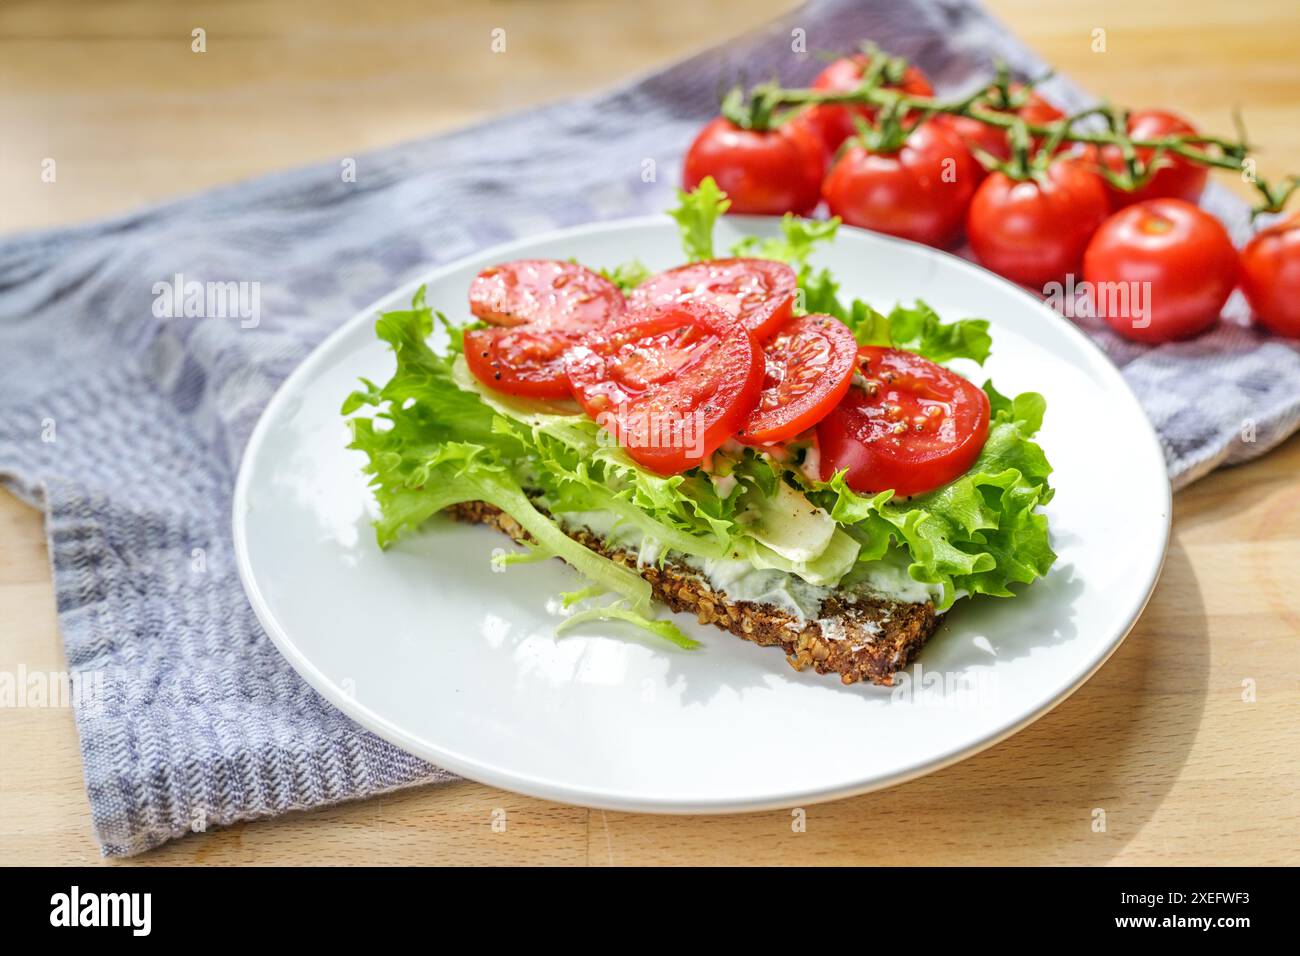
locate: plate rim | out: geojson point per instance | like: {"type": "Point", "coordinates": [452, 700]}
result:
{"type": "Point", "coordinates": [531, 785]}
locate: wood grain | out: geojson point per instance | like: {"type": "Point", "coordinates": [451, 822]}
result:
{"type": "Point", "coordinates": [1161, 739]}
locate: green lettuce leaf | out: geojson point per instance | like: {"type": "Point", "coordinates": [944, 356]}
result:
{"type": "Point", "coordinates": [919, 329]}
{"type": "Point", "coordinates": [627, 275]}
{"type": "Point", "coordinates": [619, 612]}
{"type": "Point", "coordinates": [916, 328]}
{"type": "Point", "coordinates": [978, 534]}
{"type": "Point", "coordinates": [798, 238]}
{"type": "Point", "coordinates": [431, 444]}
{"type": "Point", "coordinates": [696, 212]}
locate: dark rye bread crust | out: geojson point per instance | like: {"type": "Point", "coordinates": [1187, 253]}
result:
{"type": "Point", "coordinates": [873, 639]}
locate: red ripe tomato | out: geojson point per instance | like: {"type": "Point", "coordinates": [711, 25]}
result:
{"type": "Point", "coordinates": [671, 385]}
{"type": "Point", "coordinates": [920, 192]}
{"type": "Point", "coordinates": [809, 364]}
{"type": "Point", "coordinates": [763, 172]}
{"type": "Point", "coordinates": [1174, 266]}
{"type": "Point", "coordinates": [915, 427]}
{"type": "Point", "coordinates": [759, 292]}
{"type": "Point", "coordinates": [523, 360]}
{"type": "Point", "coordinates": [993, 139]}
{"type": "Point", "coordinates": [1036, 110]}
{"type": "Point", "coordinates": [1270, 277]}
{"type": "Point", "coordinates": [544, 292]}
{"type": "Point", "coordinates": [1177, 178]}
{"type": "Point", "coordinates": [1035, 232]}
{"type": "Point", "coordinates": [834, 124]}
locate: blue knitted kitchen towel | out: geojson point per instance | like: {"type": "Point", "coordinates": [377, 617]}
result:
{"type": "Point", "coordinates": [126, 428]}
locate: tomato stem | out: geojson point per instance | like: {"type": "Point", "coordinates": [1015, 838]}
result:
{"type": "Point", "coordinates": [995, 105]}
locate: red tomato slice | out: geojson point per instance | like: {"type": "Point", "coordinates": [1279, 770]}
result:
{"type": "Point", "coordinates": [759, 292]}
{"type": "Point", "coordinates": [545, 292]}
{"type": "Point", "coordinates": [527, 360]}
{"type": "Point", "coordinates": [809, 365]}
{"type": "Point", "coordinates": [915, 427]}
{"type": "Point", "coordinates": [671, 384]}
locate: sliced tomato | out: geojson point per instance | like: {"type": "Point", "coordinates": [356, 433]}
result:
{"type": "Point", "coordinates": [524, 360]}
{"type": "Point", "coordinates": [759, 292]}
{"type": "Point", "coordinates": [545, 292]}
{"type": "Point", "coordinates": [671, 384]}
{"type": "Point", "coordinates": [809, 364]}
{"type": "Point", "coordinates": [916, 426]}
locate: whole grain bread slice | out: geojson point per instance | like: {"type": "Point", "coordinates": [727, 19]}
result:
{"type": "Point", "coordinates": [859, 637]}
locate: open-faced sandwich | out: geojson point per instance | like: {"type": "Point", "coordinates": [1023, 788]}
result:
{"type": "Point", "coordinates": [726, 437]}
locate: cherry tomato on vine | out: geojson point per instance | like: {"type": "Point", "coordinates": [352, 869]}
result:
{"type": "Point", "coordinates": [808, 366]}
{"type": "Point", "coordinates": [1270, 277]}
{"type": "Point", "coordinates": [916, 426]}
{"type": "Point", "coordinates": [921, 192]}
{"type": "Point", "coordinates": [759, 292]}
{"type": "Point", "coordinates": [993, 139]}
{"type": "Point", "coordinates": [834, 124]}
{"type": "Point", "coordinates": [671, 384]}
{"type": "Point", "coordinates": [1174, 263]}
{"type": "Point", "coordinates": [1176, 178]}
{"type": "Point", "coordinates": [544, 292]}
{"type": "Point", "coordinates": [764, 172]}
{"type": "Point", "coordinates": [522, 360]}
{"type": "Point", "coordinates": [1034, 232]}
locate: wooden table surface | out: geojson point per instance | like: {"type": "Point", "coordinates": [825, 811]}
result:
{"type": "Point", "coordinates": [1188, 765]}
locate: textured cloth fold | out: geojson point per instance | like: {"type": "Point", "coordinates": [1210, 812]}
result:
{"type": "Point", "coordinates": [127, 428]}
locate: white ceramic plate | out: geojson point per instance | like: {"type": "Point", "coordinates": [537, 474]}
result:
{"type": "Point", "coordinates": [429, 648]}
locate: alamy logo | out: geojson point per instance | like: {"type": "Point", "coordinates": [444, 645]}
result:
{"type": "Point", "coordinates": [208, 300]}
{"type": "Point", "coordinates": [23, 688]}
{"type": "Point", "coordinates": [103, 909]}
{"type": "Point", "coordinates": [1129, 301]}
{"type": "Point", "coordinates": [656, 430]}
{"type": "Point", "coordinates": [957, 690]}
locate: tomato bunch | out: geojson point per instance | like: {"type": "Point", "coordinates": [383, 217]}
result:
{"type": "Point", "coordinates": [710, 352]}
{"type": "Point", "coordinates": [910, 176]}
{"type": "Point", "coordinates": [1036, 207]}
